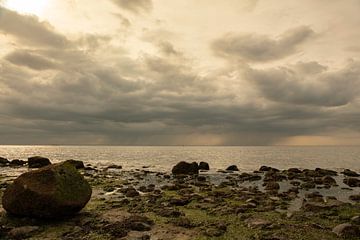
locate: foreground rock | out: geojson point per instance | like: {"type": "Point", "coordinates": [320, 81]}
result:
{"type": "Point", "coordinates": [185, 168]}
{"type": "Point", "coordinates": [76, 163]}
{"type": "Point", "coordinates": [38, 162]}
{"type": "Point", "coordinates": [347, 230]}
{"type": "Point", "coordinates": [51, 192]}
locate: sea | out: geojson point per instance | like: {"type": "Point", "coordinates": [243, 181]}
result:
{"type": "Point", "coordinates": [162, 158]}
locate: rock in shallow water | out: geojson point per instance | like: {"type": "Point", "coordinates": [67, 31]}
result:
{"type": "Point", "coordinates": [186, 168]}
{"type": "Point", "coordinates": [51, 192]}
{"type": "Point", "coordinates": [38, 162]}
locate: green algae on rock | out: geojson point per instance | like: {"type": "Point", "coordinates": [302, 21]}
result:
{"type": "Point", "coordinates": [53, 191]}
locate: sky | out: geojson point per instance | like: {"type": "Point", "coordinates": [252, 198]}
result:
{"type": "Point", "coordinates": [180, 72]}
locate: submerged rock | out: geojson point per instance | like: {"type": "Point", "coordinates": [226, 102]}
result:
{"type": "Point", "coordinates": [38, 162]}
{"type": "Point", "coordinates": [185, 168]}
{"type": "Point", "coordinates": [51, 192]}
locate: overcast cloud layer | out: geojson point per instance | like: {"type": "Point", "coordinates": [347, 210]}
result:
{"type": "Point", "coordinates": [158, 72]}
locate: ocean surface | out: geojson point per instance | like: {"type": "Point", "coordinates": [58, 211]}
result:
{"type": "Point", "coordinates": [163, 158]}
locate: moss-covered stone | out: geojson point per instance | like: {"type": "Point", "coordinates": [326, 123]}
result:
{"type": "Point", "coordinates": [50, 192]}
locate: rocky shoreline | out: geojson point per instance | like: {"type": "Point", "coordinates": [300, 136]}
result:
{"type": "Point", "coordinates": [191, 202]}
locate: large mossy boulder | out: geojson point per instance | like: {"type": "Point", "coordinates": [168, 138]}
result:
{"type": "Point", "coordinates": [185, 168]}
{"type": "Point", "coordinates": [53, 191]}
{"type": "Point", "coordinates": [38, 162]}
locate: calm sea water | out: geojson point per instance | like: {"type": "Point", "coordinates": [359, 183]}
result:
{"type": "Point", "coordinates": [162, 158]}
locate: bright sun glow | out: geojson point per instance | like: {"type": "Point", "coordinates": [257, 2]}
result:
{"type": "Point", "coordinates": [36, 7]}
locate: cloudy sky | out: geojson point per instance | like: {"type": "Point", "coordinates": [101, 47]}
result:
{"type": "Point", "coordinates": [169, 72]}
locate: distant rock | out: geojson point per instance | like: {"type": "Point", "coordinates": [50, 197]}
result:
{"type": "Point", "coordinates": [17, 162]}
{"type": "Point", "coordinates": [3, 161]}
{"type": "Point", "coordinates": [114, 166]}
{"type": "Point", "coordinates": [185, 168]}
{"type": "Point", "coordinates": [232, 168]}
{"type": "Point", "coordinates": [38, 162]}
{"type": "Point", "coordinates": [53, 191]}
{"type": "Point", "coordinates": [204, 166]}
{"type": "Point", "coordinates": [347, 230]}
{"type": "Point", "coordinates": [266, 169]}
{"type": "Point", "coordinates": [76, 163]}
{"type": "Point", "coordinates": [349, 173]}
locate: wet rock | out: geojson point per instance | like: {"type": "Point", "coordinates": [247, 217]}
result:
{"type": "Point", "coordinates": [169, 212]}
{"type": "Point", "coordinates": [355, 220]}
{"type": "Point", "coordinates": [17, 162]}
{"type": "Point", "coordinates": [324, 172]}
{"type": "Point", "coordinates": [267, 169]}
{"type": "Point", "coordinates": [38, 162]}
{"type": "Point", "coordinates": [76, 163]}
{"type": "Point", "coordinates": [308, 185]}
{"type": "Point", "coordinates": [327, 180]}
{"type": "Point", "coordinates": [3, 161]}
{"type": "Point", "coordinates": [349, 173]}
{"type": "Point", "coordinates": [355, 198]}
{"type": "Point", "coordinates": [51, 192]}
{"type": "Point", "coordinates": [201, 178]}
{"type": "Point", "coordinates": [22, 232]}
{"type": "Point", "coordinates": [179, 201]}
{"type": "Point", "coordinates": [272, 186]}
{"type": "Point", "coordinates": [114, 166]}
{"type": "Point", "coordinates": [294, 170]}
{"type": "Point", "coordinates": [315, 206]}
{"type": "Point", "coordinates": [347, 230]}
{"type": "Point", "coordinates": [185, 168]}
{"type": "Point", "coordinates": [204, 166]}
{"type": "Point", "coordinates": [131, 192]}
{"type": "Point", "coordinates": [232, 168]}
{"type": "Point", "coordinates": [352, 182]}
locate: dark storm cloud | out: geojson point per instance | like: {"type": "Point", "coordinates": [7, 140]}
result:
{"type": "Point", "coordinates": [29, 30]}
{"type": "Point", "coordinates": [135, 6]}
{"type": "Point", "coordinates": [291, 85]}
{"type": "Point", "coordinates": [33, 61]}
{"type": "Point", "coordinates": [261, 48]}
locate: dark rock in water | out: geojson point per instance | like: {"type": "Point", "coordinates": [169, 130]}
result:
{"type": "Point", "coordinates": [17, 162]}
{"type": "Point", "coordinates": [307, 185]}
{"type": "Point", "coordinates": [50, 192]}
{"type": "Point", "coordinates": [114, 166]}
{"type": "Point", "coordinates": [324, 172]}
{"type": "Point", "coordinates": [347, 230]}
{"type": "Point", "coordinates": [349, 173]}
{"type": "Point", "coordinates": [3, 161]}
{"type": "Point", "coordinates": [232, 168]}
{"type": "Point", "coordinates": [327, 180]}
{"type": "Point", "coordinates": [266, 169]}
{"type": "Point", "coordinates": [38, 162]}
{"type": "Point", "coordinates": [204, 166]}
{"type": "Point", "coordinates": [76, 163]}
{"type": "Point", "coordinates": [352, 182]}
{"type": "Point", "coordinates": [272, 186]}
{"type": "Point", "coordinates": [185, 168]}
{"type": "Point", "coordinates": [294, 170]}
